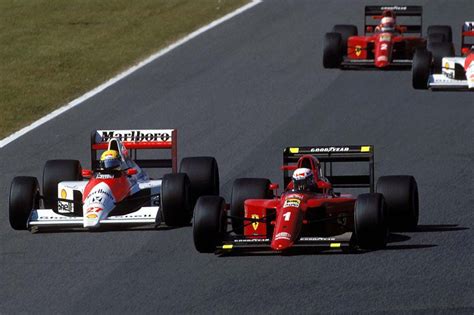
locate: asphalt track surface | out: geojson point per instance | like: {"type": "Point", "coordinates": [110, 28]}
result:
{"type": "Point", "coordinates": [241, 92]}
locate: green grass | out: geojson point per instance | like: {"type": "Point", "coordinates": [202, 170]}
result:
{"type": "Point", "coordinates": [52, 51]}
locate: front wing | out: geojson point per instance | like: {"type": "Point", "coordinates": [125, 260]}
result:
{"type": "Point", "coordinates": [47, 218]}
{"type": "Point", "coordinates": [442, 82]}
{"type": "Point", "coordinates": [370, 63]}
{"type": "Point", "coordinates": [263, 244]}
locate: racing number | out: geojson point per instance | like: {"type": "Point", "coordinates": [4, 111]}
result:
{"type": "Point", "coordinates": [286, 216]}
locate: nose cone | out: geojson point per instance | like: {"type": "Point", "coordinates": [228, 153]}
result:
{"type": "Point", "coordinates": [382, 62]}
{"type": "Point", "coordinates": [282, 241]}
{"type": "Point", "coordinates": [92, 216]}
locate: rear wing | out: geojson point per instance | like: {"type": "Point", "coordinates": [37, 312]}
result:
{"type": "Point", "coordinates": [135, 140]}
{"type": "Point", "coordinates": [413, 23]}
{"type": "Point", "coordinates": [467, 37]}
{"type": "Point", "coordinates": [329, 155]}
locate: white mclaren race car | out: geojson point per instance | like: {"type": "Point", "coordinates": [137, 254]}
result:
{"type": "Point", "coordinates": [116, 190]}
{"type": "Point", "coordinates": [438, 68]}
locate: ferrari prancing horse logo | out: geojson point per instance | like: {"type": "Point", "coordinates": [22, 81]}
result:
{"type": "Point", "coordinates": [255, 224]}
{"type": "Point", "coordinates": [358, 50]}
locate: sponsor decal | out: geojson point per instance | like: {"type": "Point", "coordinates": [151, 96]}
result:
{"type": "Point", "coordinates": [358, 50]}
{"type": "Point", "coordinates": [293, 202]}
{"type": "Point", "coordinates": [136, 136]}
{"type": "Point", "coordinates": [100, 191]}
{"type": "Point", "coordinates": [297, 196]}
{"type": "Point", "coordinates": [252, 240]}
{"type": "Point", "coordinates": [365, 148]}
{"type": "Point", "coordinates": [92, 216]}
{"type": "Point", "coordinates": [255, 224]}
{"type": "Point", "coordinates": [63, 193]}
{"type": "Point", "coordinates": [385, 37]}
{"type": "Point", "coordinates": [104, 176]}
{"type": "Point", "coordinates": [383, 46]}
{"type": "Point", "coordinates": [330, 149]}
{"type": "Point", "coordinates": [382, 58]}
{"type": "Point", "coordinates": [294, 150]}
{"type": "Point", "coordinates": [283, 236]}
{"type": "Point", "coordinates": [64, 207]}
{"type": "Point", "coordinates": [94, 210]}
{"type": "Point", "coordinates": [446, 65]}
{"type": "Point", "coordinates": [317, 239]}
{"type": "Point", "coordinates": [394, 7]}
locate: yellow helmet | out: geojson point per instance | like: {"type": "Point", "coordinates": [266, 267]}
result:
{"type": "Point", "coordinates": [110, 159]}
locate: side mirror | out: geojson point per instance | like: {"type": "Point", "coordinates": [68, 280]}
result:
{"type": "Point", "coordinates": [369, 29]}
{"type": "Point", "coordinates": [464, 51]}
{"type": "Point", "coordinates": [131, 171]}
{"type": "Point", "coordinates": [274, 186]}
{"type": "Point", "coordinates": [87, 173]}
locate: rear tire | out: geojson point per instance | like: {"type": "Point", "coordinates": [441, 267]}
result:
{"type": "Point", "coordinates": [421, 69]}
{"type": "Point", "coordinates": [24, 197]}
{"type": "Point", "coordinates": [333, 50]}
{"type": "Point", "coordinates": [370, 222]}
{"type": "Point", "coordinates": [56, 171]}
{"type": "Point", "coordinates": [203, 175]}
{"type": "Point", "coordinates": [175, 200]}
{"type": "Point", "coordinates": [445, 30]}
{"type": "Point", "coordinates": [439, 51]}
{"type": "Point", "coordinates": [401, 198]}
{"type": "Point", "coordinates": [209, 223]}
{"type": "Point", "coordinates": [346, 31]}
{"type": "Point", "coordinates": [243, 189]}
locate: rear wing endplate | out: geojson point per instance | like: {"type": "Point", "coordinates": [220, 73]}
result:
{"type": "Point", "coordinates": [138, 139]}
{"type": "Point", "coordinates": [413, 11]}
{"type": "Point", "coordinates": [329, 155]}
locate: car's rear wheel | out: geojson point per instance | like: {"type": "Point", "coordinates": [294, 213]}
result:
{"type": "Point", "coordinates": [176, 207]}
{"type": "Point", "coordinates": [209, 223]}
{"type": "Point", "coordinates": [54, 172]}
{"type": "Point", "coordinates": [401, 198]}
{"type": "Point", "coordinates": [203, 175]}
{"type": "Point", "coordinates": [333, 50]}
{"type": "Point", "coordinates": [444, 30]}
{"type": "Point", "coordinates": [439, 51]}
{"type": "Point", "coordinates": [346, 31]}
{"type": "Point", "coordinates": [421, 69]}
{"type": "Point", "coordinates": [370, 222]}
{"type": "Point", "coordinates": [243, 189]}
{"type": "Point", "coordinates": [24, 197]}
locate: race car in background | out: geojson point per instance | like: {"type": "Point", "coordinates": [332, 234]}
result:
{"type": "Point", "coordinates": [119, 194]}
{"type": "Point", "coordinates": [310, 214]}
{"type": "Point", "coordinates": [439, 69]}
{"type": "Point", "coordinates": [386, 44]}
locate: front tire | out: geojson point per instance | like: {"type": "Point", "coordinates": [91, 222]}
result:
{"type": "Point", "coordinates": [203, 175]}
{"type": "Point", "coordinates": [370, 223]}
{"type": "Point", "coordinates": [439, 51]}
{"type": "Point", "coordinates": [346, 31]}
{"type": "Point", "coordinates": [421, 69]}
{"type": "Point", "coordinates": [175, 198]}
{"type": "Point", "coordinates": [401, 197]}
{"type": "Point", "coordinates": [54, 172]}
{"type": "Point", "coordinates": [243, 189]}
{"type": "Point", "coordinates": [444, 30]}
{"type": "Point", "coordinates": [209, 223]}
{"type": "Point", "coordinates": [24, 197]}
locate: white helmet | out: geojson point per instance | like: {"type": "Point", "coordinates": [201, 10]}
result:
{"type": "Point", "coordinates": [387, 24]}
{"type": "Point", "coordinates": [303, 179]}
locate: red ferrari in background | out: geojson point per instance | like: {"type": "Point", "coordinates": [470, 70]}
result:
{"type": "Point", "coordinates": [309, 213]}
{"type": "Point", "coordinates": [386, 44]}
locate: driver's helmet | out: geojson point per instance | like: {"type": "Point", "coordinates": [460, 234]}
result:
{"type": "Point", "coordinates": [303, 179]}
{"type": "Point", "coordinates": [110, 160]}
{"type": "Point", "coordinates": [387, 24]}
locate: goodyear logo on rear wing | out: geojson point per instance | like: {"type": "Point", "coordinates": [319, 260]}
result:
{"type": "Point", "coordinates": [394, 8]}
{"type": "Point", "coordinates": [134, 135]}
{"type": "Point", "coordinates": [330, 149]}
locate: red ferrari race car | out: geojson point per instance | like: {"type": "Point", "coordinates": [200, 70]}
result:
{"type": "Point", "coordinates": [439, 69]}
{"type": "Point", "coordinates": [116, 191]}
{"type": "Point", "coordinates": [386, 44]}
{"type": "Point", "coordinates": [309, 212]}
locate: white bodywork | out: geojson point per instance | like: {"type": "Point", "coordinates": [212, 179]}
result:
{"type": "Point", "coordinates": [446, 79]}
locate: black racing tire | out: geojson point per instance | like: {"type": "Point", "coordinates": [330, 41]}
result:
{"type": "Point", "coordinates": [401, 198]}
{"type": "Point", "coordinates": [209, 223]}
{"type": "Point", "coordinates": [56, 171]}
{"type": "Point", "coordinates": [175, 199]}
{"type": "Point", "coordinates": [445, 30]}
{"type": "Point", "coordinates": [370, 221]}
{"type": "Point", "coordinates": [243, 189]}
{"type": "Point", "coordinates": [439, 51]}
{"type": "Point", "coordinates": [421, 69]}
{"type": "Point", "coordinates": [346, 31]}
{"type": "Point", "coordinates": [24, 197]}
{"type": "Point", "coordinates": [203, 175]}
{"type": "Point", "coordinates": [435, 38]}
{"type": "Point", "coordinates": [333, 50]}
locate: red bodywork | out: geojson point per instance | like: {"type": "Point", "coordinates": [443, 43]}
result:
{"type": "Point", "coordinates": [383, 48]}
{"type": "Point", "coordinates": [296, 213]}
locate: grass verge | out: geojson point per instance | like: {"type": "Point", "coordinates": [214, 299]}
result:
{"type": "Point", "coordinates": [52, 51]}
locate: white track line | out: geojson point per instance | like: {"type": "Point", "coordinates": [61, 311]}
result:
{"type": "Point", "coordinates": [122, 75]}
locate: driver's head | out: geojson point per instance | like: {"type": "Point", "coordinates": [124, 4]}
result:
{"type": "Point", "coordinates": [303, 179]}
{"type": "Point", "coordinates": [110, 159]}
{"type": "Point", "coordinates": [387, 24]}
